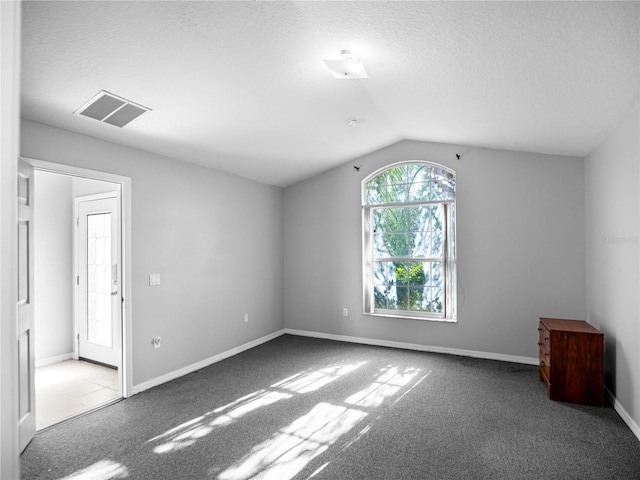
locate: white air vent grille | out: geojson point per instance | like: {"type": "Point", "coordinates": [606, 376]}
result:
{"type": "Point", "coordinates": [112, 109]}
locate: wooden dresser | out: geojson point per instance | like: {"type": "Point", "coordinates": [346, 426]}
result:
{"type": "Point", "coordinates": [572, 361]}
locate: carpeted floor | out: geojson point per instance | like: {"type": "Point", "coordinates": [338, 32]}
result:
{"type": "Point", "coordinates": [301, 408]}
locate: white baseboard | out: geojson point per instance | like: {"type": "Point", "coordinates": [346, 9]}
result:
{"type": "Point", "coordinates": [415, 346]}
{"type": "Point", "coordinates": [49, 360]}
{"type": "Point", "coordinates": [204, 363]}
{"type": "Point", "coordinates": [635, 428]}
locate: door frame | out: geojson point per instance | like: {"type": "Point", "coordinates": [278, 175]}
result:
{"type": "Point", "coordinates": [126, 368]}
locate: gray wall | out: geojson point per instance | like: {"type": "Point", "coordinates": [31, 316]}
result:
{"type": "Point", "coordinates": [216, 240]}
{"type": "Point", "coordinates": [53, 267]}
{"type": "Point", "coordinates": [520, 233]}
{"type": "Point", "coordinates": [612, 181]}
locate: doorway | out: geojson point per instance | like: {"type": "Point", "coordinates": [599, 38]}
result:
{"type": "Point", "coordinates": [80, 276]}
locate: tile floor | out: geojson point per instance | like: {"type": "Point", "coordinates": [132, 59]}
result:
{"type": "Point", "coordinates": [72, 387]}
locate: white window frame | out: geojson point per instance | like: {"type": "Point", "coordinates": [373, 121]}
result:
{"type": "Point", "coordinates": [449, 267]}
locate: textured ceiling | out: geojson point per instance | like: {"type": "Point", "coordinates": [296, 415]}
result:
{"type": "Point", "coordinates": [242, 86]}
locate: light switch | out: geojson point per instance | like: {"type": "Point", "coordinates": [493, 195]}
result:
{"type": "Point", "coordinates": [154, 279]}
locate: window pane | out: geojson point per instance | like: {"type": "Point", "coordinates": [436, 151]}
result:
{"type": "Point", "coordinates": [416, 284]}
{"type": "Point", "coordinates": [420, 235]}
{"type": "Point", "coordinates": [402, 298]}
{"type": "Point", "coordinates": [452, 241]}
{"type": "Point", "coordinates": [384, 273]}
{"type": "Point", "coordinates": [384, 285]}
{"type": "Point", "coordinates": [380, 245]}
{"type": "Point", "coordinates": [416, 296]}
{"type": "Point", "coordinates": [397, 175]}
{"type": "Point", "coordinates": [391, 220]}
{"type": "Point", "coordinates": [418, 173]}
{"type": "Point", "coordinates": [419, 217]}
{"type": "Point", "coordinates": [443, 185]}
{"type": "Point", "coordinates": [391, 245]}
{"type": "Point", "coordinates": [99, 279]}
{"type": "Point", "coordinates": [398, 193]}
{"type": "Point", "coordinates": [380, 298]}
{"type": "Point", "coordinates": [434, 301]}
{"type": "Point", "coordinates": [420, 192]}
{"type": "Point", "coordinates": [436, 274]}
{"type": "Point", "coordinates": [421, 243]}
{"type": "Point", "coordinates": [375, 195]}
{"type": "Point", "coordinates": [377, 190]}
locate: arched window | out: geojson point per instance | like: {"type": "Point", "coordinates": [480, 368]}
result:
{"type": "Point", "coordinates": [409, 241]}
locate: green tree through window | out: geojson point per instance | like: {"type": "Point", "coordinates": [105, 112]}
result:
{"type": "Point", "coordinates": [409, 241]}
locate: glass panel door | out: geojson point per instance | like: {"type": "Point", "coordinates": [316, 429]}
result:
{"type": "Point", "coordinates": [99, 269]}
{"type": "Point", "coordinates": [99, 293]}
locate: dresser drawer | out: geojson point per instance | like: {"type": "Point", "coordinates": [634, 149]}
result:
{"type": "Point", "coordinates": [544, 345]}
{"type": "Point", "coordinates": [544, 355]}
{"type": "Point", "coordinates": [545, 372]}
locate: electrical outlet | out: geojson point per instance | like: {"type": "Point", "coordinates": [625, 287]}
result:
{"type": "Point", "coordinates": [345, 312]}
{"type": "Point", "coordinates": [246, 317]}
{"type": "Point", "coordinates": [154, 279]}
{"type": "Point", "coordinates": [155, 341]}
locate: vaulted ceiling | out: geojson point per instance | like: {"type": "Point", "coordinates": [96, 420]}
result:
{"type": "Point", "coordinates": [242, 86]}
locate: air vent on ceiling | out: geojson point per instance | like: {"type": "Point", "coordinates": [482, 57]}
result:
{"type": "Point", "coordinates": [112, 109]}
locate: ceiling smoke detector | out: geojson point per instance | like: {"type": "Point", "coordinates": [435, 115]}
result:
{"type": "Point", "coordinates": [112, 109]}
{"type": "Point", "coordinates": [350, 67]}
{"type": "Point", "coordinates": [352, 122]}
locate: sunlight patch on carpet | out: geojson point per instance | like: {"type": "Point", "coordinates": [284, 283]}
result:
{"type": "Point", "coordinates": [188, 433]}
{"type": "Point", "coordinates": [283, 456]}
{"type": "Point", "coordinates": [102, 470]}
{"type": "Point", "coordinates": [386, 385]}
{"type": "Point", "coordinates": [314, 380]}
{"type": "Point", "coordinates": [293, 447]}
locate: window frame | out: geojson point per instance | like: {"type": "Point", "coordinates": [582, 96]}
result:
{"type": "Point", "coordinates": [449, 263]}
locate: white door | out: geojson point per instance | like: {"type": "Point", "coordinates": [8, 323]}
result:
{"type": "Point", "coordinates": [99, 280]}
{"type": "Point", "coordinates": [26, 354]}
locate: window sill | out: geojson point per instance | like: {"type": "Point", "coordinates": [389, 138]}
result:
{"type": "Point", "coordinates": [408, 316]}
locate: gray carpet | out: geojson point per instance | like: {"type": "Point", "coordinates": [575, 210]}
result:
{"type": "Point", "coordinates": [302, 408]}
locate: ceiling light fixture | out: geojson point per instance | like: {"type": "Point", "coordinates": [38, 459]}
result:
{"type": "Point", "coordinates": [112, 109]}
{"type": "Point", "coordinates": [350, 67]}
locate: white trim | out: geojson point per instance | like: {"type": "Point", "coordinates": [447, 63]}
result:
{"type": "Point", "coordinates": [154, 382]}
{"type": "Point", "coordinates": [10, 24]}
{"type": "Point", "coordinates": [72, 171]}
{"type": "Point", "coordinates": [96, 196]}
{"type": "Point", "coordinates": [626, 417]}
{"type": "Point", "coordinates": [125, 372]}
{"type": "Point", "coordinates": [51, 360]}
{"type": "Point", "coordinates": [414, 346]}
